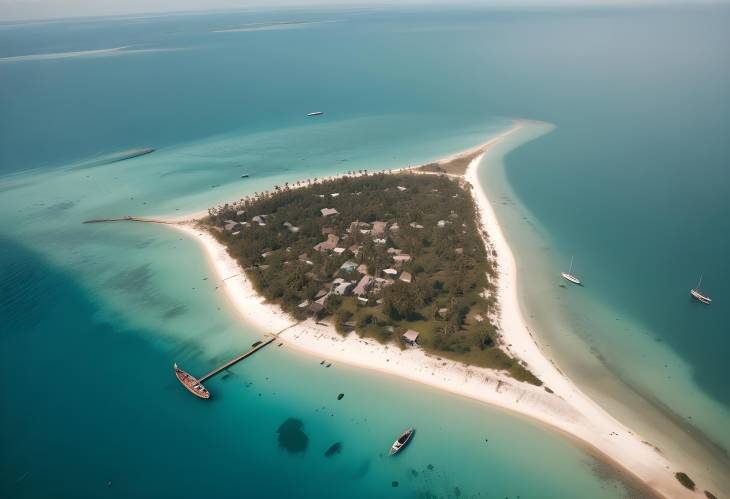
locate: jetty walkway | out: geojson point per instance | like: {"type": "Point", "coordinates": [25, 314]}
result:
{"type": "Point", "coordinates": [266, 340]}
{"type": "Point", "coordinates": [129, 219]}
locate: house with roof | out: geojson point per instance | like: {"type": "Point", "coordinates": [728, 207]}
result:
{"type": "Point", "coordinates": [326, 212]}
{"type": "Point", "coordinates": [406, 277]}
{"type": "Point", "coordinates": [410, 337]}
{"type": "Point", "coordinates": [342, 288]}
{"type": "Point", "coordinates": [379, 229]}
{"type": "Point", "coordinates": [329, 244]}
{"type": "Point", "coordinates": [348, 266]}
{"type": "Point", "coordinates": [363, 286]}
{"type": "Point", "coordinates": [402, 258]}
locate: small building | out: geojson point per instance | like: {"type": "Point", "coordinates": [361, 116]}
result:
{"type": "Point", "coordinates": [291, 227]}
{"type": "Point", "coordinates": [415, 225]}
{"type": "Point", "coordinates": [379, 229]}
{"type": "Point", "coordinates": [394, 251]}
{"type": "Point", "coordinates": [362, 268]}
{"type": "Point", "coordinates": [441, 224]}
{"type": "Point", "coordinates": [348, 266]}
{"type": "Point", "coordinates": [379, 283]}
{"type": "Point", "coordinates": [443, 312]}
{"type": "Point", "coordinates": [335, 194]}
{"type": "Point", "coordinates": [338, 251]}
{"type": "Point", "coordinates": [401, 258]}
{"type": "Point", "coordinates": [406, 277]}
{"type": "Point", "coordinates": [326, 212]}
{"type": "Point", "coordinates": [363, 286]}
{"type": "Point", "coordinates": [411, 337]}
{"type": "Point", "coordinates": [260, 219]}
{"type": "Point", "coordinates": [343, 288]}
{"type": "Point", "coordinates": [392, 272]}
{"type": "Point", "coordinates": [380, 240]}
{"type": "Point", "coordinates": [304, 304]}
{"type": "Point", "coordinates": [355, 249]}
{"type": "Point", "coordinates": [329, 244]}
{"type": "Point", "coordinates": [401, 188]}
{"type": "Point", "coordinates": [394, 227]}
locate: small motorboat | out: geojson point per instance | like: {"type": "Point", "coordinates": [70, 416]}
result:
{"type": "Point", "coordinates": [569, 276]}
{"type": "Point", "coordinates": [695, 292]}
{"type": "Point", "coordinates": [316, 113]}
{"type": "Point", "coordinates": [402, 441]}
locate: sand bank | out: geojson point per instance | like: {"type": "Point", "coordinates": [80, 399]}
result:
{"type": "Point", "coordinates": [567, 409]}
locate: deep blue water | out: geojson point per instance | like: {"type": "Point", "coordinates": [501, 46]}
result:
{"type": "Point", "coordinates": [632, 181]}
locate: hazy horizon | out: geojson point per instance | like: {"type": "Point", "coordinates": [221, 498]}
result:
{"type": "Point", "coordinates": [36, 10]}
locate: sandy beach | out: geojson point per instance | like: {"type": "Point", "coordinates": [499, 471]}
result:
{"type": "Point", "coordinates": [565, 407]}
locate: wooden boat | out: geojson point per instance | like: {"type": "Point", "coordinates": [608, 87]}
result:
{"type": "Point", "coordinates": [570, 277]}
{"type": "Point", "coordinates": [402, 441]}
{"type": "Point", "coordinates": [191, 383]}
{"type": "Point", "coordinates": [696, 293]}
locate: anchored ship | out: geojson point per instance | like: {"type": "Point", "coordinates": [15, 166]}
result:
{"type": "Point", "coordinates": [695, 292]}
{"type": "Point", "coordinates": [570, 277]}
{"type": "Point", "coordinates": [191, 383]}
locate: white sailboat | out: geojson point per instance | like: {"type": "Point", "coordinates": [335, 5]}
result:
{"type": "Point", "coordinates": [569, 276]}
{"type": "Point", "coordinates": [695, 292]}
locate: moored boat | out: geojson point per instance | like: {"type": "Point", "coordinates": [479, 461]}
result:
{"type": "Point", "coordinates": [402, 441]}
{"type": "Point", "coordinates": [696, 293]}
{"type": "Point", "coordinates": [191, 383]}
{"type": "Point", "coordinates": [569, 276]}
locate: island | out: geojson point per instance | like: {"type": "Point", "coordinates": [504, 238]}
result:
{"type": "Point", "coordinates": [393, 256]}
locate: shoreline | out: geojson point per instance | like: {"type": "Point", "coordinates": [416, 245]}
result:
{"type": "Point", "coordinates": [567, 410]}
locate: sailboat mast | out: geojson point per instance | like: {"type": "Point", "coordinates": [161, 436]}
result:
{"type": "Point", "coordinates": [699, 283]}
{"type": "Point", "coordinates": [570, 270]}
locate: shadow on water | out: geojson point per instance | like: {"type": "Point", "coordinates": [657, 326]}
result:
{"type": "Point", "coordinates": [291, 437]}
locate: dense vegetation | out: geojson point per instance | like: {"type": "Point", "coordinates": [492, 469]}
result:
{"type": "Point", "coordinates": [443, 291]}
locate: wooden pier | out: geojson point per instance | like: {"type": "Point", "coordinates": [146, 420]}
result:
{"type": "Point", "coordinates": [258, 346]}
{"type": "Point", "coordinates": [129, 219]}
{"type": "Point", "coordinates": [195, 385]}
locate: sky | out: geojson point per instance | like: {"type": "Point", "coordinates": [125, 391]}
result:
{"type": "Point", "coordinates": [14, 10]}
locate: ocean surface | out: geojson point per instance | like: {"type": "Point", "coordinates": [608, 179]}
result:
{"type": "Point", "coordinates": [630, 177]}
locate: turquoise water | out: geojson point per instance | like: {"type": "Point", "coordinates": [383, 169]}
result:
{"type": "Point", "coordinates": [111, 306]}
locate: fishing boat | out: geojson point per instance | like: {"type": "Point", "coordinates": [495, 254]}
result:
{"type": "Point", "coordinates": [569, 276]}
{"type": "Point", "coordinates": [402, 441]}
{"type": "Point", "coordinates": [698, 294]}
{"type": "Point", "coordinates": [191, 383]}
{"type": "Point", "coordinates": [316, 113]}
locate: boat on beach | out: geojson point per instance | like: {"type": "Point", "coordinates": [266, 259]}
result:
{"type": "Point", "coordinates": [191, 383]}
{"type": "Point", "coordinates": [696, 293]}
{"type": "Point", "coordinates": [316, 113]}
{"type": "Point", "coordinates": [569, 276]}
{"type": "Point", "coordinates": [401, 441]}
